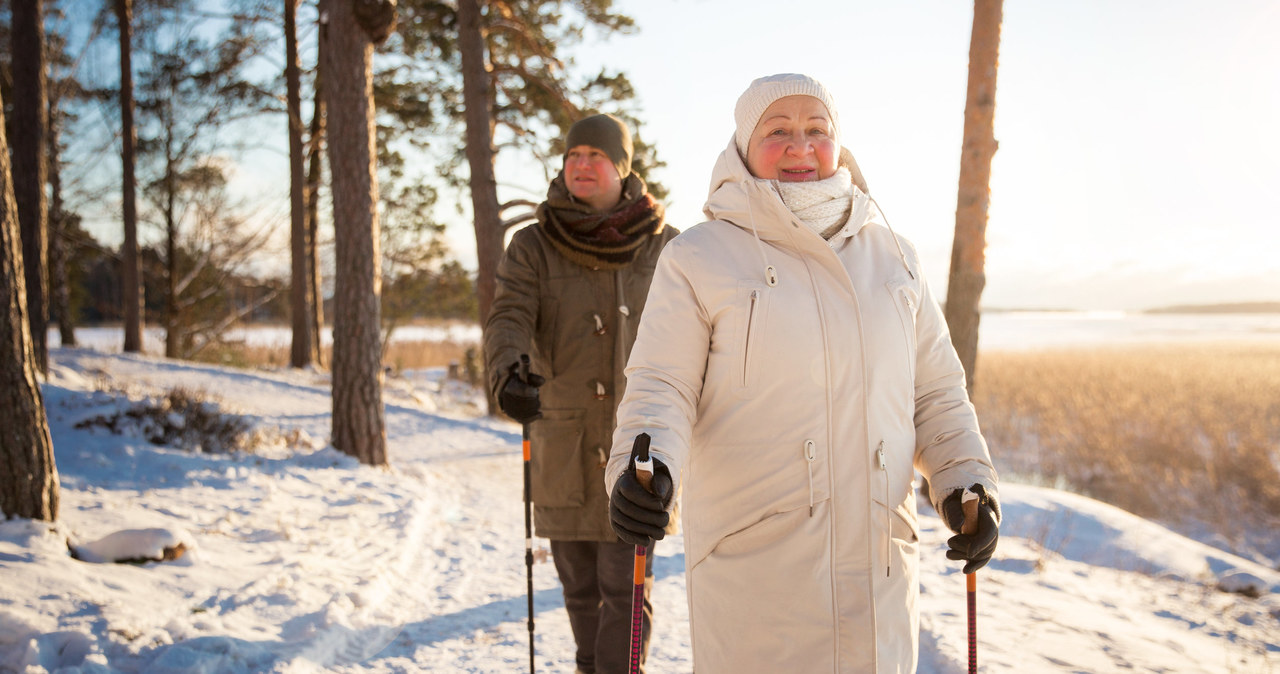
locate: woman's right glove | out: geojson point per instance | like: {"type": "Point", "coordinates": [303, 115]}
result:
{"type": "Point", "coordinates": [639, 516]}
{"type": "Point", "coordinates": [519, 397]}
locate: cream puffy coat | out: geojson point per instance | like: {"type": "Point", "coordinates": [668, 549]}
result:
{"type": "Point", "coordinates": [793, 417]}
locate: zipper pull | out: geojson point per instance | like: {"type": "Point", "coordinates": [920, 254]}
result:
{"type": "Point", "coordinates": [810, 453]}
{"type": "Point", "coordinates": [888, 521]}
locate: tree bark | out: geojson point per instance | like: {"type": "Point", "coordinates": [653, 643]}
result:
{"type": "Point", "coordinates": [131, 275]}
{"type": "Point", "coordinates": [358, 425]}
{"type": "Point", "coordinates": [29, 168]}
{"type": "Point", "coordinates": [28, 475]}
{"type": "Point", "coordinates": [968, 253]}
{"type": "Point", "coordinates": [477, 99]}
{"type": "Point", "coordinates": [173, 325]}
{"type": "Point", "coordinates": [300, 301]}
{"type": "Point", "coordinates": [59, 279]}
{"type": "Point", "coordinates": [314, 146]}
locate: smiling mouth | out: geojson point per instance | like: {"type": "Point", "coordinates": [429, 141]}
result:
{"type": "Point", "coordinates": [797, 173]}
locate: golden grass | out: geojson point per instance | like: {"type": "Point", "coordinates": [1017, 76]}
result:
{"type": "Point", "coordinates": [404, 355]}
{"type": "Point", "coordinates": [1172, 432]}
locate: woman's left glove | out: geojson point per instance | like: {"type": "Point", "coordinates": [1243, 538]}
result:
{"type": "Point", "coordinates": [976, 548]}
{"type": "Point", "coordinates": [639, 516]}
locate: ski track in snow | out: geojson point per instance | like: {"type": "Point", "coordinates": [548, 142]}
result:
{"type": "Point", "coordinates": [307, 561]}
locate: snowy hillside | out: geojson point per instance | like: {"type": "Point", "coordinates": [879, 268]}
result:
{"type": "Point", "coordinates": [298, 559]}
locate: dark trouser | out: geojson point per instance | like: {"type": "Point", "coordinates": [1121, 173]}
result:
{"type": "Point", "coordinates": [598, 581]}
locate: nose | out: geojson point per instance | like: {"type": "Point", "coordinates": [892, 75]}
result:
{"type": "Point", "coordinates": [799, 144]}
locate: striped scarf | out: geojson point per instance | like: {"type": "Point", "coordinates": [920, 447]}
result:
{"type": "Point", "coordinates": [608, 240]}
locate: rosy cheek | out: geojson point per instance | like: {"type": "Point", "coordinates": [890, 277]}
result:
{"type": "Point", "coordinates": [764, 159]}
{"type": "Point", "coordinates": [827, 159]}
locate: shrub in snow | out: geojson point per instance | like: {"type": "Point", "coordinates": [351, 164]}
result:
{"type": "Point", "coordinates": [1243, 582]}
{"type": "Point", "coordinates": [182, 419]}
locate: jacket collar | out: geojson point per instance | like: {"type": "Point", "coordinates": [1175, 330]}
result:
{"type": "Point", "coordinates": [738, 197]}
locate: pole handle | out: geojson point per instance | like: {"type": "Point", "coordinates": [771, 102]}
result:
{"type": "Point", "coordinates": [969, 506]}
{"type": "Point", "coordinates": [524, 367]}
{"type": "Point", "coordinates": [643, 462]}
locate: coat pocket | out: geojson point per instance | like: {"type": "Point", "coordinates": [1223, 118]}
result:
{"type": "Point", "coordinates": [557, 478]}
{"type": "Point", "coordinates": [906, 299]}
{"type": "Point", "coordinates": [752, 299]}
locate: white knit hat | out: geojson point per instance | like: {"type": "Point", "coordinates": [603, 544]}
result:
{"type": "Point", "coordinates": [764, 91]}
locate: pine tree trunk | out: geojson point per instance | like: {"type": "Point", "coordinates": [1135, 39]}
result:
{"type": "Point", "coordinates": [173, 323]}
{"type": "Point", "coordinates": [480, 157]}
{"type": "Point", "coordinates": [968, 253]}
{"type": "Point", "coordinates": [131, 275]}
{"type": "Point", "coordinates": [59, 279]}
{"type": "Point", "coordinates": [29, 169]}
{"type": "Point", "coordinates": [300, 286]}
{"type": "Point", "coordinates": [358, 424]}
{"type": "Point", "coordinates": [316, 142]}
{"type": "Point", "coordinates": [28, 475]}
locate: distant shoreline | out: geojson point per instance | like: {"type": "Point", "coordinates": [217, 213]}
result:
{"type": "Point", "coordinates": [1229, 308]}
{"type": "Point", "coordinates": [1235, 308]}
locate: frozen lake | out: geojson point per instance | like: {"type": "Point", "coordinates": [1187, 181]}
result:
{"type": "Point", "coordinates": [999, 330]}
{"type": "Point", "coordinates": [1041, 329]}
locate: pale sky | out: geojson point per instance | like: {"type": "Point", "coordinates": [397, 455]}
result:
{"type": "Point", "coordinates": [1139, 160]}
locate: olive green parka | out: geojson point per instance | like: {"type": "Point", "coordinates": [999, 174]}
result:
{"type": "Point", "coordinates": [577, 324]}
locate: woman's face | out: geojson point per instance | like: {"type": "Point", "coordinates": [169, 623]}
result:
{"type": "Point", "coordinates": [591, 177]}
{"type": "Point", "coordinates": [793, 142]}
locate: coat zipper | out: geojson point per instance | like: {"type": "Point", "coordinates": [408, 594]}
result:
{"type": "Point", "coordinates": [751, 320]}
{"type": "Point", "coordinates": [810, 453]}
{"type": "Point", "coordinates": [907, 322]}
{"type": "Point", "coordinates": [888, 516]}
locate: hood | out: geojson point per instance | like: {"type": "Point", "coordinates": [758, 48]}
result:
{"type": "Point", "coordinates": [755, 205]}
{"type": "Point", "coordinates": [738, 197]}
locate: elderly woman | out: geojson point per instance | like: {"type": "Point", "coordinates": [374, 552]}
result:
{"type": "Point", "coordinates": [793, 371]}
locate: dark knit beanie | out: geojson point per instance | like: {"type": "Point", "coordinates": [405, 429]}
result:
{"type": "Point", "coordinates": [607, 134]}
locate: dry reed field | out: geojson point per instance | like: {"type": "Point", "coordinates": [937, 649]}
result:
{"type": "Point", "coordinates": [406, 355]}
{"type": "Point", "coordinates": [1177, 433]}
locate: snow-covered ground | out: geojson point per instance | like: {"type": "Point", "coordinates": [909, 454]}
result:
{"type": "Point", "coordinates": [298, 559]}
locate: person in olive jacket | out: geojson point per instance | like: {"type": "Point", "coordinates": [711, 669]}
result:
{"type": "Point", "coordinates": [570, 291]}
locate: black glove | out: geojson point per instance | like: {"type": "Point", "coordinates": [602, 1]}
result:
{"type": "Point", "coordinates": [976, 549]}
{"type": "Point", "coordinates": [519, 397]}
{"type": "Point", "coordinates": [640, 517]}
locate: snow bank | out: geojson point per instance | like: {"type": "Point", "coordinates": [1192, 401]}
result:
{"type": "Point", "coordinates": [308, 561]}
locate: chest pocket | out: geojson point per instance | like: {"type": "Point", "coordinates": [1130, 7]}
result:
{"type": "Point", "coordinates": [906, 300]}
{"type": "Point", "coordinates": [751, 309]}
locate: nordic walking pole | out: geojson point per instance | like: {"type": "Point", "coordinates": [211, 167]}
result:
{"type": "Point", "coordinates": [528, 521]}
{"type": "Point", "coordinates": [969, 505]}
{"type": "Point", "coordinates": [644, 475]}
